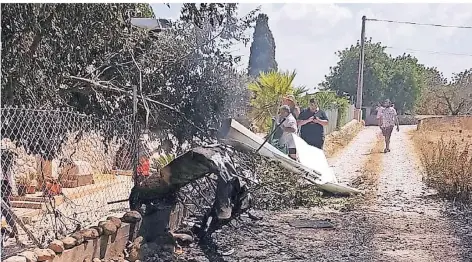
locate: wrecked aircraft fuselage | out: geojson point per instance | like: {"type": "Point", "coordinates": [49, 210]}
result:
{"type": "Point", "coordinates": [231, 195]}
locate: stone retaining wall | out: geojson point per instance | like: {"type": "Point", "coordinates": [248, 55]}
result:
{"type": "Point", "coordinates": [90, 148]}
{"type": "Point", "coordinates": [105, 242]}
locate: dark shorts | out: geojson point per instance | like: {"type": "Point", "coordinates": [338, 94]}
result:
{"type": "Point", "coordinates": [387, 131]}
{"type": "Point", "coordinates": [318, 143]}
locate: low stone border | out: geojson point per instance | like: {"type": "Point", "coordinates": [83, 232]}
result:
{"type": "Point", "coordinates": [106, 241]}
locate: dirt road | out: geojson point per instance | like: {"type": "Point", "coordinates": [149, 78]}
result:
{"type": "Point", "coordinates": [404, 222]}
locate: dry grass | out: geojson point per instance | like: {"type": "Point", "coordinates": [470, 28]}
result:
{"type": "Point", "coordinates": [368, 180]}
{"type": "Point", "coordinates": [443, 146]}
{"type": "Point", "coordinates": [338, 140]}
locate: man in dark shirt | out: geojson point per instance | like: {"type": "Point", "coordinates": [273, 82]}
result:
{"type": "Point", "coordinates": [311, 122]}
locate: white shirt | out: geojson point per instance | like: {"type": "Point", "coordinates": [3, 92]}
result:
{"type": "Point", "coordinates": [287, 138]}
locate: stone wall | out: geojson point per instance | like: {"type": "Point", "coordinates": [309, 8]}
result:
{"type": "Point", "coordinates": [438, 122]}
{"type": "Point", "coordinates": [106, 241]}
{"type": "Point", "coordinates": [89, 148]}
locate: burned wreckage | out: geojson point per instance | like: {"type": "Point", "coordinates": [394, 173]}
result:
{"type": "Point", "coordinates": [231, 195]}
{"type": "Point", "coordinates": [230, 188]}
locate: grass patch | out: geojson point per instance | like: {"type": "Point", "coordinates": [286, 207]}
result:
{"type": "Point", "coordinates": [443, 147]}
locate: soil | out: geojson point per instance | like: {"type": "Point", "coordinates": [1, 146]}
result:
{"type": "Point", "coordinates": [404, 222]}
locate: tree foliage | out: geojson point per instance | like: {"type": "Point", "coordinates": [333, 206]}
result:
{"type": "Point", "coordinates": [343, 77]}
{"type": "Point", "coordinates": [267, 93]}
{"type": "Point", "coordinates": [400, 79]}
{"type": "Point", "coordinates": [89, 57]}
{"type": "Point", "coordinates": [449, 98]}
{"type": "Point", "coordinates": [262, 56]}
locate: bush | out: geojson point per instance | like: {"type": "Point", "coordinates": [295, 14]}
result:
{"type": "Point", "coordinates": [448, 168]}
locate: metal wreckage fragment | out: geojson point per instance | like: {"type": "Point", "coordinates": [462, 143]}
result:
{"type": "Point", "coordinates": [232, 197]}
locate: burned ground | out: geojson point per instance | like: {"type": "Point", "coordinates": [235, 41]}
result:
{"type": "Point", "coordinates": [403, 221]}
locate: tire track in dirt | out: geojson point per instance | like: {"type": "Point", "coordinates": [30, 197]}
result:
{"type": "Point", "coordinates": [409, 225]}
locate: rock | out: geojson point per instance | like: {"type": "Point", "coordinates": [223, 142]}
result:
{"type": "Point", "coordinates": [96, 259]}
{"type": "Point", "coordinates": [134, 255]}
{"type": "Point", "coordinates": [44, 254]}
{"type": "Point", "coordinates": [131, 217]}
{"type": "Point", "coordinates": [79, 237]}
{"type": "Point", "coordinates": [69, 242]}
{"type": "Point", "coordinates": [109, 228]}
{"type": "Point", "coordinates": [138, 241]}
{"type": "Point", "coordinates": [100, 224]}
{"type": "Point", "coordinates": [99, 230]}
{"type": "Point", "coordinates": [86, 260]}
{"type": "Point", "coordinates": [57, 246]}
{"type": "Point", "coordinates": [30, 256]}
{"type": "Point", "coordinates": [183, 238]}
{"type": "Point", "coordinates": [89, 234]}
{"type": "Point", "coordinates": [15, 259]}
{"type": "Point", "coordinates": [115, 221]}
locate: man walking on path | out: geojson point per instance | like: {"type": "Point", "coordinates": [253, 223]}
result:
{"type": "Point", "coordinates": [311, 122]}
{"type": "Point", "coordinates": [387, 116]}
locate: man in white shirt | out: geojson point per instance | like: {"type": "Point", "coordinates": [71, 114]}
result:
{"type": "Point", "coordinates": [289, 127]}
{"type": "Point", "coordinates": [387, 116]}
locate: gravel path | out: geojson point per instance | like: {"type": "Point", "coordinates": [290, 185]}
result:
{"type": "Point", "coordinates": [403, 223]}
{"type": "Point", "coordinates": [351, 158]}
{"type": "Point", "coordinates": [410, 226]}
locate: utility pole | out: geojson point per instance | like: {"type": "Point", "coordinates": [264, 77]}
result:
{"type": "Point", "coordinates": [360, 78]}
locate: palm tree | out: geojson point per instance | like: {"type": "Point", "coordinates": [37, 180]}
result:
{"type": "Point", "coordinates": [267, 92]}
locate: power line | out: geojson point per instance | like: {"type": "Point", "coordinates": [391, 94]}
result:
{"type": "Point", "coordinates": [421, 24]}
{"type": "Point", "coordinates": [430, 52]}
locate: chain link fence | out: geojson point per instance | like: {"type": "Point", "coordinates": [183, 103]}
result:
{"type": "Point", "coordinates": [59, 169]}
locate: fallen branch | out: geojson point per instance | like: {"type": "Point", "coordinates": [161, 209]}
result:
{"type": "Point", "coordinates": [120, 90]}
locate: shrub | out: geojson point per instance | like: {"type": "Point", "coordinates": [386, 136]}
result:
{"type": "Point", "coordinates": [448, 168]}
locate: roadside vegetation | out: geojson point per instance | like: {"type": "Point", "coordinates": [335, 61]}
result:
{"type": "Point", "coordinates": [443, 146]}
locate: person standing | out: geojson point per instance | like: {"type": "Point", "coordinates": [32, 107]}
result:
{"type": "Point", "coordinates": [311, 122]}
{"type": "Point", "coordinates": [289, 127]}
{"type": "Point", "coordinates": [387, 116]}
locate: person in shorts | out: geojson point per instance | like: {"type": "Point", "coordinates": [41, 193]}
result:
{"type": "Point", "coordinates": [289, 127]}
{"type": "Point", "coordinates": [387, 116]}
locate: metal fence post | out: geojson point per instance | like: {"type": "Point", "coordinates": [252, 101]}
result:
{"type": "Point", "coordinates": [136, 131]}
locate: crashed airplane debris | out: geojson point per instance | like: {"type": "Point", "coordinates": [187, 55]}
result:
{"type": "Point", "coordinates": [313, 165]}
{"type": "Point", "coordinates": [232, 197]}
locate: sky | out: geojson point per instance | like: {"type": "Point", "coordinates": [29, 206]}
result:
{"type": "Point", "coordinates": [308, 35]}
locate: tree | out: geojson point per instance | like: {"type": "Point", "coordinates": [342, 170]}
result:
{"type": "Point", "coordinates": [428, 103]}
{"type": "Point", "coordinates": [406, 82]}
{"type": "Point", "coordinates": [262, 57]}
{"type": "Point", "coordinates": [343, 77]}
{"type": "Point", "coordinates": [267, 93]}
{"type": "Point", "coordinates": [400, 79]}
{"type": "Point", "coordinates": [457, 95]}
{"type": "Point", "coordinates": [88, 57]}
